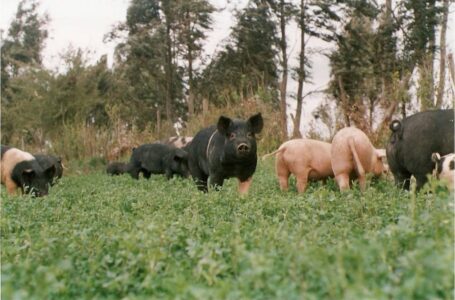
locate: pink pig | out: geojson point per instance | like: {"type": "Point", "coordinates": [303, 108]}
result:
{"type": "Point", "coordinates": [305, 158]}
{"type": "Point", "coordinates": [353, 156]}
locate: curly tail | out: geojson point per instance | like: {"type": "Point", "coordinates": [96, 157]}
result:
{"type": "Point", "coordinates": [357, 163]}
{"type": "Point", "coordinates": [273, 153]}
{"type": "Point", "coordinates": [397, 128]}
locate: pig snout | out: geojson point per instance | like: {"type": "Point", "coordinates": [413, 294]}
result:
{"type": "Point", "coordinates": [243, 148]}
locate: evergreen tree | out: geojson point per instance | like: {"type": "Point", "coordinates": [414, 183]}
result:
{"type": "Point", "coordinates": [22, 48]}
{"type": "Point", "coordinates": [195, 19]}
{"type": "Point", "coordinates": [247, 64]}
{"type": "Point", "coordinates": [160, 35]}
{"type": "Point", "coordinates": [283, 11]}
{"type": "Point", "coordinates": [420, 19]}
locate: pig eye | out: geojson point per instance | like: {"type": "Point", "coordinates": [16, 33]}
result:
{"type": "Point", "coordinates": [249, 135]}
{"type": "Point", "coordinates": [232, 135]}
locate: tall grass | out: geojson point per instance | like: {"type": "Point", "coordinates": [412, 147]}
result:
{"type": "Point", "coordinates": [81, 142]}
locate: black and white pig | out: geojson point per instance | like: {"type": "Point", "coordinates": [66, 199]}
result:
{"type": "Point", "coordinates": [412, 142]}
{"type": "Point", "coordinates": [445, 168]}
{"type": "Point", "coordinates": [117, 168]}
{"type": "Point", "coordinates": [20, 169]}
{"type": "Point", "coordinates": [223, 151]}
{"type": "Point", "coordinates": [178, 141]}
{"type": "Point", "coordinates": [46, 161]}
{"type": "Point", "coordinates": [158, 158]}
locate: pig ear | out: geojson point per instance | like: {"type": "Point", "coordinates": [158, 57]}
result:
{"type": "Point", "coordinates": [381, 153]}
{"type": "Point", "coordinates": [256, 123]}
{"type": "Point", "coordinates": [49, 173]}
{"type": "Point", "coordinates": [28, 174]}
{"type": "Point", "coordinates": [223, 125]}
{"type": "Point", "coordinates": [435, 157]}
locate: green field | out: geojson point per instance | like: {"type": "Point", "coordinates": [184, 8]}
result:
{"type": "Point", "coordinates": [97, 237]}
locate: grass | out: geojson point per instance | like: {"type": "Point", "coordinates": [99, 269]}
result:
{"type": "Point", "coordinates": [100, 237]}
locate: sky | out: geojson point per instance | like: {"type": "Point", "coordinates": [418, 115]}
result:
{"type": "Point", "coordinates": [83, 23]}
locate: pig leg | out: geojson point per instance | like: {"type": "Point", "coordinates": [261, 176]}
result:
{"type": "Point", "coordinates": [282, 173]}
{"type": "Point", "coordinates": [147, 174]}
{"type": "Point", "coordinates": [420, 181]}
{"type": "Point", "coordinates": [362, 182]}
{"type": "Point", "coordinates": [168, 173]}
{"type": "Point", "coordinates": [343, 181]}
{"type": "Point", "coordinates": [134, 172]}
{"type": "Point", "coordinates": [200, 179]}
{"type": "Point", "coordinates": [11, 186]}
{"type": "Point", "coordinates": [216, 181]}
{"type": "Point", "coordinates": [402, 180]}
{"type": "Point", "coordinates": [302, 180]}
{"type": "Point", "coordinates": [244, 186]}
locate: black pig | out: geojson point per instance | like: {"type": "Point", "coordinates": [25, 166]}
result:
{"type": "Point", "coordinates": [223, 151]}
{"type": "Point", "coordinates": [117, 168]}
{"type": "Point", "coordinates": [413, 141]}
{"type": "Point", "coordinates": [158, 159]}
{"type": "Point", "coordinates": [20, 169]}
{"type": "Point", "coordinates": [47, 161]}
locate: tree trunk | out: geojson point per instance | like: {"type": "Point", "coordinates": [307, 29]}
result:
{"type": "Point", "coordinates": [190, 83]}
{"type": "Point", "coordinates": [284, 79]}
{"type": "Point", "coordinates": [451, 67]}
{"type": "Point", "coordinates": [442, 62]}
{"type": "Point", "coordinates": [301, 73]}
{"type": "Point", "coordinates": [388, 114]}
{"type": "Point", "coordinates": [426, 69]}
{"type": "Point", "coordinates": [344, 103]}
{"type": "Point", "coordinates": [168, 69]}
{"type": "Point", "coordinates": [158, 123]}
{"type": "Point", "coordinates": [389, 55]}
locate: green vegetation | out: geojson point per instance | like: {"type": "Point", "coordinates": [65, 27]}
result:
{"type": "Point", "coordinates": [96, 236]}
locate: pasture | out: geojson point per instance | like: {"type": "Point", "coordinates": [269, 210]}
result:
{"type": "Point", "coordinates": [101, 237]}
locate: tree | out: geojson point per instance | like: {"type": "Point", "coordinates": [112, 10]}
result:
{"type": "Point", "coordinates": [442, 62]}
{"type": "Point", "coordinates": [352, 68]}
{"type": "Point", "coordinates": [160, 37]}
{"type": "Point", "coordinates": [147, 59]}
{"type": "Point", "coordinates": [246, 66]}
{"type": "Point", "coordinates": [300, 71]}
{"type": "Point", "coordinates": [381, 56]}
{"type": "Point", "coordinates": [419, 20]}
{"type": "Point", "coordinates": [194, 18]}
{"type": "Point", "coordinates": [283, 12]}
{"type": "Point", "coordinates": [24, 43]}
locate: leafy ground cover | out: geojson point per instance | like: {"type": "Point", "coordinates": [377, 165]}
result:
{"type": "Point", "coordinates": [102, 237]}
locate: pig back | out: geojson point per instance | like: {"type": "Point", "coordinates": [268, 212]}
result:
{"type": "Point", "coordinates": [413, 141]}
{"type": "Point", "coordinates": [342, 156]}
{"type": "Point", "coordinates": [299, 154]}
{"type": "Point", "coordinates": [197, 150]}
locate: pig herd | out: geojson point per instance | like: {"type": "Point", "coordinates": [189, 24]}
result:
{"type": "Point", "coordinates": [419, 145]}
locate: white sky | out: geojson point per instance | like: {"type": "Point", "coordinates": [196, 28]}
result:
{"type": "Point", "coordinates": [83, 23]}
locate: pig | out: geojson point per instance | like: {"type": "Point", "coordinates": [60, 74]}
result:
{"type": "Point", "coordinates": [306, 159]}
{"type": "Point", "coordinates": [117, 168]}
{"type": "Point", "coordinates": [20, 169]}
{"type": "Point", "coordinates": [412, 142]}
{"type": "Point", "coordinates": [158, 159]}
{"type": "Point", "coordinates": [178, 141]}
{"type": "Point", "coordinates": [444, 168]}
{"type": "Point", "coordinates": [47, 161]}
{"type": "Point", "coordinates": [353, 156]}
{"type": "Point", "coordinates": [224, 151]}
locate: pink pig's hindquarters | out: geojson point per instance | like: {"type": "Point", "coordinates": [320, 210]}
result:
{"type": "Point", "coordinates": [348, 142]}
{"type": "Point", "coordinates": [342, 164]}
{"type": "Point", "coordinates": [306, 159]}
